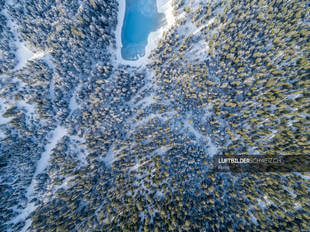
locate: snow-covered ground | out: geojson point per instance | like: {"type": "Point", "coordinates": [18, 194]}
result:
{"type": "Point", "coordinates": [23, 53]}
{"type": "Point", "coordinates": [30, 109]}
{"type": "Point", "coordinates": [163, 6]}
{"type": "Point", "coordinates": [41, 165]}
{"type": "Point", "coordinates": [110, 156]}
{"type": "Point", "coordinates": [211, 147]}
{"type": "Point", "coordinates": [73, 105]}
{"type": "Point", "coordinates": [3, 107]}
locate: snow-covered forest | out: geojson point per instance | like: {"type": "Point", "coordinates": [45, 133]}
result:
{"type": "Point", "coordinates": [91, 143]}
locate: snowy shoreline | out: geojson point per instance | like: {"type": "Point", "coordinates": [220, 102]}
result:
{"type": "Point", "coordinates": [163, 6]}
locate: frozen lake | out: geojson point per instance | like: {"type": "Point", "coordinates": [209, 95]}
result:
{"type": "Point", "coordinates": [141, 18]}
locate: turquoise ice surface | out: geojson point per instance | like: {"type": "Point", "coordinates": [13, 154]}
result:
{"type": "Point", "coordinates": [141, 18]}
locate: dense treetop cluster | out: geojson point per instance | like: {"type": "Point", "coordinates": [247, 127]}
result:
{"type": "Point", "coordinates": [134, 145]}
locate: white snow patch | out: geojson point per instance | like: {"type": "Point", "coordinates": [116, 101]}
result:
{"type": "Point", "coordinates": [64, 185]}
{"type": "Point", "coordinates": [188, 125]}
{"type": "Point", "coordinates": [4, 105]}
{"type": "Point", "coordinates": [28, 107]}
{"type": "Point", "coordinates": [42, 164]}
{"type": "Point", "coordinates": [306, 177]}
{"type": "Point", "coordinates": [163, 6]}
{"type": "Point", "coordinates": [57, 134]}
{"type": "Point", "coordinates": [3, 108]}
{"type": "Point", "coordinates": [9, 2]}
{"type": "Point", "coordinates": [2, 135]}
{"type": "Point", "coordinates": [212, 150]}
{"type": "Point", "coordinates": [27, 224]}
{"type": "Point", "coordinates": [208, 110]}
{"type": "Point", "coordinates": [159, 194]}
{"type": "Point", "coordinates": [290, 191]}
{"type": "Point", "coordinates": [23, 53]}
{"type": "Point", "coordinates": [297, 206]}
{"type": "Point", "coordinates": [47, 58]}
{"type": "Point", "coordinates": [80, 149]}
{"type": "Point", "coordinates": [253, 218]}
{"type": "Point", "coordinates": [269, 202]}
{"type": "Point", "coordinates": [261, 204]}
{"type": "Point", "coordinates": [162, 150]}
{"type": "Point", "coordinates": [162, 116]}
{"type": "Point", "coordinates": [73, 105]}
{"type": "Point", "coordinates": [146, 101]}
{"type": "Point", "coordinates": [110, 157]}
{"type": "Point", "coordinates": [211, 147]}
